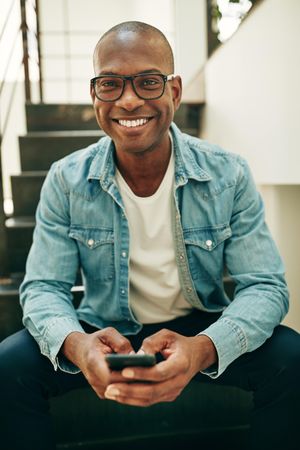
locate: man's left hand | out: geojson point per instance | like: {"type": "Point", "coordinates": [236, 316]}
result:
{"type": "Point", "coordinates": [183, 358]}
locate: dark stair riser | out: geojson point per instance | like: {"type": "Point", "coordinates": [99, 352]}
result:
{"type": "Point", "coordinates": [49, 117]}
{"type": "Point", "coordinates": [19, 242]}
{"type": "Point", "coordinates": [26, 189]}
{"type": "Point", "coordinates": [10, 314]}
{"type": "Point", "coordinates": [38, 152]}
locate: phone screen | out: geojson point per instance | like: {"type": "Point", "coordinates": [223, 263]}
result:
{"type": "Point", "coordinates": [119, 362]}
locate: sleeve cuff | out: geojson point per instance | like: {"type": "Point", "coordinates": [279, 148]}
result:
{"type": "Point", "coordinates": [230, 343]}
{"type": "Point", "coordinates": [54, 337]}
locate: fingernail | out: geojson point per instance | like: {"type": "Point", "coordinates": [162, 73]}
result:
{"type": "Point", "coordinates": [141, 352]}
{"type": "Point", "coordinates": [128, 373]}
{"type": "Point", "coordinates": [111, 393]}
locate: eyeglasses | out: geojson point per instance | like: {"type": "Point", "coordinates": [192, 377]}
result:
{"type": "Point", "coordinates": [150, 86]}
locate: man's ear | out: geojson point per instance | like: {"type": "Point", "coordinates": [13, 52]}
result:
{"type": "Point", "coordinates": [176, 91]}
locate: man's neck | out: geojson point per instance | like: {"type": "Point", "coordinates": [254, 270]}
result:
{"type": "Point", "coordinates": [144, 172]}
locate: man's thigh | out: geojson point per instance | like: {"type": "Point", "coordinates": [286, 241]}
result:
{"type": "Point", "coordinates": [22, 362]}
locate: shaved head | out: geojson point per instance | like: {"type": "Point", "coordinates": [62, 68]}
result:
{"type": "Point", "coordinates": [146, 31]}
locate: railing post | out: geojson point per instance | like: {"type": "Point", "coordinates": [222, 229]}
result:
{"type": "Point", "coordinates": [25, 50]}
{"type": "Point", "coordinates": [38, 38]}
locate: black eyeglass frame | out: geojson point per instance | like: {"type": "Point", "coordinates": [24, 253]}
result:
{"type": "Point", "coordinates": [130, 78]}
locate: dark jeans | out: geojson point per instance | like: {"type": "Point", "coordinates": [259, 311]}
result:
{"type": "Point", "coordinates": [271, 373]}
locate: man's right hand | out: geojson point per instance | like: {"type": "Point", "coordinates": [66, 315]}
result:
{"type": "Point", "coordinates": [87, 352]}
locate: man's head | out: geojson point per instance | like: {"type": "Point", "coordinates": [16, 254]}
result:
{"type": "Point", "coordinates": [135, 122]}
{"type": "Point", "coordinates": [145, 31]}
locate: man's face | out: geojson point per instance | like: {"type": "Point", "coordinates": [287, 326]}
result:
{"type": "Point", "coordinates": [131, 54]}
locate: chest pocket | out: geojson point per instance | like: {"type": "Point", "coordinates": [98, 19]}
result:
{"type": "Point", "coordinates": [204, 247]}
{"type": "Point", "coordinates": [96, 250]}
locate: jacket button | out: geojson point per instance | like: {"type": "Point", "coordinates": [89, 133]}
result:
{"type": "Point", "coordinates": [208, 243]}
{"type": "Point", "coordinates": [91, 242]}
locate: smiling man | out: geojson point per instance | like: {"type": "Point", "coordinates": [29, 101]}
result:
{"type": "Point", "coordinates": [150, 216]}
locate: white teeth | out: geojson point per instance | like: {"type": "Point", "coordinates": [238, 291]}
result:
{"type": "Point", "coordinates": [133, 123]}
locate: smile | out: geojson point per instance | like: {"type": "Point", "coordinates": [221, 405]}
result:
{"type": "Point", "coordinates": [133, 123]}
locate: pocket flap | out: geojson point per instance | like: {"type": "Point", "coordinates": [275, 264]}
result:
{"type": "Point", "coordinates": [207, 238]}
{"type": "Point", "coordinates": [92, 237]}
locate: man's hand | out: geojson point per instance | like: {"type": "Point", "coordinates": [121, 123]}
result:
{"type": "Point", "coordinates": [184, 357]}
{"type": "Point", "coordinates": [87, 352]}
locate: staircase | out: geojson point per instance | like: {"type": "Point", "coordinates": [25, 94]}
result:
{"type": "Point", "coordinates": [54, 131]}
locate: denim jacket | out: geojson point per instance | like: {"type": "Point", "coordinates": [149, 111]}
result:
{"type": "Point", "coordinates": [218, 220]}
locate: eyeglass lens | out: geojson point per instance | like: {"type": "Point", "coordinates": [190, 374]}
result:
{"type": "Point", "coordinates": [146, 86]}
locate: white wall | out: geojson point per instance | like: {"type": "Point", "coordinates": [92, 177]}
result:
{"type": "Point", "coordinates": [283, 217]}
{"type": "Point", "coordinates": [191, 38]}
{"type": "Point", "coordinates": [253, 92]}
{"type": "Point", "coordinates": [253, 108]}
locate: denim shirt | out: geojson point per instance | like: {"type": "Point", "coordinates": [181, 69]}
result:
{"type": "Point", "coordinates": [218, 220]}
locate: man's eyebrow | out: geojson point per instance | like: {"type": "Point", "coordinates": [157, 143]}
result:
{"type": "Point", "coordinates": [139, 73]}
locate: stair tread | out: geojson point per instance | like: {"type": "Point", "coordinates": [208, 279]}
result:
{"type": "Point", "coordinates": [20, 222]}
{"type": "Point", "coordinates": [31, 173]}
{"type": "Point", "coordinates": [8, 287]}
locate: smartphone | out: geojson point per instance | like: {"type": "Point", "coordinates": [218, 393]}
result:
{"type": "Point", "coordinates": [117, 361]}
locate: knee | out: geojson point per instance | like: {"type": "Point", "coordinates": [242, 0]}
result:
{"type": "Point", "coordinates": [288, 351]}
{"type": "Point", "coordinates": [16, 357]}
{"type": "Point", "coordinates": [287, 354]}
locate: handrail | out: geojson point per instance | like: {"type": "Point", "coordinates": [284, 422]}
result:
{"type": "Point", "coordinates": [7, 18]}
{"type": "Point", "coordinates": [38, 38]}
{"type": "Point", "coordinates": [9, 59]}
{"type": "Point", "coordinates": [25, 51]}
{"type": "Point", "coordinates": [4, 121]}
{"type": "Point", "coordinates": [10, 102]}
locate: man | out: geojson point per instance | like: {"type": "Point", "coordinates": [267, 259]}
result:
{"type": "Point", "coordinates": [150, 216]}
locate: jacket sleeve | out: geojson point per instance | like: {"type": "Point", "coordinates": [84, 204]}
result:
{"type": "Point", "coordinates": [261, 297]}
{"type": "Point", "coordinates": [51, 269]}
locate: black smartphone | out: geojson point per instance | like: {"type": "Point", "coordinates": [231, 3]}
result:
{"type": "Point", "coordinates": [117, 361]}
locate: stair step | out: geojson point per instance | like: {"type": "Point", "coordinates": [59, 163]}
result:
{"type": "Point", "coordinates": [20, 222]}
{"type": "Point", "coordinates": [26, 189]}
{"type": "Point", "coordinates": [47, 117]}
{"type": "Point", "coordinates": [19, 239]}
{"type": "Point", "coordinates": [38, 150]}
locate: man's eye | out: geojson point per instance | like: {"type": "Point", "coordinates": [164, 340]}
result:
{"type": "Point", "coordinates": [108, 83]}
{"type": "Point", "coordinates": [150, 82]}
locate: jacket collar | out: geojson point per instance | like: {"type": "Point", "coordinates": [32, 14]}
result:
{"type": "Point", "coordinates": [186, 166]}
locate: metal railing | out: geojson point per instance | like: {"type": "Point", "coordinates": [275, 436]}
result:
{"type": "Point", "coordinates": [22, 18]}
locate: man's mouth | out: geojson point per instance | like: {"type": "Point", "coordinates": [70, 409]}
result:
{"type": "Point", "coordinates": [133, 123]}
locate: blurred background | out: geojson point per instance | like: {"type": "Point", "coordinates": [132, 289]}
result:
{"type": "Point", "coordinates": [240, 65]}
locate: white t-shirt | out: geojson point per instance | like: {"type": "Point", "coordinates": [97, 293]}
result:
{"type": "Point", "coordinates": [155, 294]}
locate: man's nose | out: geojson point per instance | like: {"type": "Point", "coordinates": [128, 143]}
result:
{"type": "Point", "coordinates": [129, 99]}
